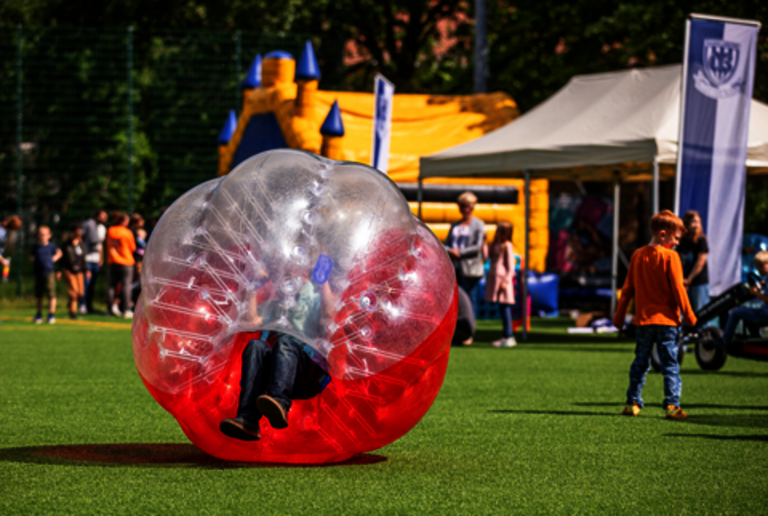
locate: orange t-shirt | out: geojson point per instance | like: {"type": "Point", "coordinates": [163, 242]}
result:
{"type": "Point", "coordinates": [120, 246]}
{"type": "Point", "coordinates": [655, 281]}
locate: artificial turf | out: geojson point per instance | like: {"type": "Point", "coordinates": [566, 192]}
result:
{"type": "Point", "coordinates": [534, 429]}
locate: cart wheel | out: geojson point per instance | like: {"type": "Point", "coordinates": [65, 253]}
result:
{"type": "Point", "coordinates": [656, 363]}
{"type": "Point", "coordinates": [710, 353]}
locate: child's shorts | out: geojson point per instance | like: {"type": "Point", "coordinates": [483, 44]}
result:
{"type": "Point", "coordinates": [45, 285]}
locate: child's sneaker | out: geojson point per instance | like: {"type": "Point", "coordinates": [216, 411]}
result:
{"type": "Point", "coordinates": [240, 429]}
{"type": "Point", "coordinates": [116, 311]}
{"type": "Point", "coordinates": [632, 409]}
{"type": "Point", "coordinates": [128, 315]}
{"type": "Point", "coordinates": [509, 343]}
{"type": "Point", "coordinates": [273, 410]}
{"type": "Point", "coordinates": [51, 319]}
{"type": "Point", "coordinates": [83, 310]}
{"type": "Point", "coordinates": [498, 343]}
{"type": "Point", "coordinates": [38, 319]}
{"type": "Point", "coordinates": [675, 412]}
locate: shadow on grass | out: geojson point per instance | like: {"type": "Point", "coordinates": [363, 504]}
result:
{"type": "Point", "coordinates": [686, 406]}
{"type": "Point", "coordinates": [746, 421]}
{"type": "Point", "coordinates": [551, 412]}
{"type": "Point", "coordinates": [153, 455]}
{"type": "Point", "coordinates": [756, 438]}
{"type": "Point", "coordinates": [743, 374]}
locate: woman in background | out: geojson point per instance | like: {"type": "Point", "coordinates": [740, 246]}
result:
{"type": "Point", "coordinates": [693, 249]}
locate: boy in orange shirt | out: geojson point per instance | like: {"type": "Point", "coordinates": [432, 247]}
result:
{"type": "Point", "coordinates": [655, 281]}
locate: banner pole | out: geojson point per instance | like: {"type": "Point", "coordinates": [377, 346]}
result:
{"type": "Point", "coordinates": [680, 126]}
{"type": "Point", "coordinates": [527, 267]}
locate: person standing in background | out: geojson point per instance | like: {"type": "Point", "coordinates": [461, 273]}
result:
{"type": "Point", "coordinates": [94, 234]}
{"type": "Point", "coordinates": [75, 270]}
{"type": "Point", "coordinates": [44, 254]}
{"type": "Point", "coordinates": [693, 249]}
{"type": "Point", "coordinates": [120, 248]}
{"type": "Point", "coordinates": [12, 223]}
{"type": "Point", "coordinates": [499, 287]}
{"type": "Point", "coordinates": [465, 247]}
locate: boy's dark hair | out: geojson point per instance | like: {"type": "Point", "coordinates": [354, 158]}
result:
{"type": "Point", "coordinates": [74, 226]}
{"type": "Point", "coordinates": [665, 220]}
{"type": "Point", "coordinates": [97, 212]}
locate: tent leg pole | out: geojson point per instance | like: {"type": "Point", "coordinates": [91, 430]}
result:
{"type": "Point", "coordinates": [655, 188]}
{"type": "Point", "coordinates": [524, 308]}
{"type": "Point", "coordinates": [615, 250]}
{"type": "Point", "coordinates": [419, 197]}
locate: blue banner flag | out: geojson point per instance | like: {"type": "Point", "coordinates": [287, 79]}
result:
{"type": "Point", "coordinates": [718, 73]}
{"type": "Point", "coordinates": [382, 123]}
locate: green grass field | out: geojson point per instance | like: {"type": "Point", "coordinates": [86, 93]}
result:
{"type": "Point", "coordinates": [535, 429]}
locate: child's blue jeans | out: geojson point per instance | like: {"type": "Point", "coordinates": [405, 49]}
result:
{"type": "Point", "coordinates": [667, 339]}
{"type": "Point", "coordinates": [756, 316]}
{"type": "Point", "coordinates": [270, 370]}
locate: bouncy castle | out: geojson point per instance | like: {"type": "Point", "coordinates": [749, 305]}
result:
{"type": "Point", "coordinates": [283, 108]}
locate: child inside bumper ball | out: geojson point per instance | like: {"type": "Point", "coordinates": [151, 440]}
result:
{"type": "Point", "coordinates": [300, 291]}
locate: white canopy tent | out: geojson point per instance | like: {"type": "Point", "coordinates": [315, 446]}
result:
{"type": "Point", "coordinates": [608, 127]}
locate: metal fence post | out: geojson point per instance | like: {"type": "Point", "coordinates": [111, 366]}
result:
{"type": "Point", "coordinates": [129, 114]}
{"type": "Point", "coordinates": [19, 163]}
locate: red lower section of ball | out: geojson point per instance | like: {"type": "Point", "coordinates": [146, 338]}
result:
{"type": "Point", "coordinates": [349, 417]}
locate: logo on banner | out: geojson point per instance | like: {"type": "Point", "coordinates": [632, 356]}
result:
{"type": "Point", "coordinates": [716, 78]}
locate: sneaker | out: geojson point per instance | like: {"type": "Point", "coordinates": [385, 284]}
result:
{"type": "Point", "coordinates": [116, 311]}
{"type": "Point", "coordinates": [273, 410]}
{"type": "Point", "coordinates": [675, 412]}
{"type": "Point", "coordinates": [240, 429]}
{"type": "Point", "coordinates": [128, 315]}
{"type": "Point", "coordinates": [83, 310]}
{"type": "Point", "coordinates": [509, 343]}
{"type": "Point", "coordinates": [51, 319]}
{"type": "Point", "coordinates": [632, 409]}
{"type": "Point", "coordinates": [498, 343]}
{"type": "Point", "coordinates": [73, 317]}
{"type": "Point", "coordinates": [38, 319]}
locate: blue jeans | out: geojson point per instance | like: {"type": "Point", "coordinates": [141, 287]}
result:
{"type": "Point", "coordinates": [270, 370]}
{"type": "Point", "coordinates": [667, 340]}
{"type": "Point", "coordinates": [90, 286]}
{"type": "Point", "coordinates": [758, 317]}
{"type": "Point", "coordinates": [698, 295]}
{"type": "Point", "coordinates": [506, 319]}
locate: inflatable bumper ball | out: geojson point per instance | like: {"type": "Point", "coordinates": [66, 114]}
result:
{"type": "Point", "coordinates": [324, 251]}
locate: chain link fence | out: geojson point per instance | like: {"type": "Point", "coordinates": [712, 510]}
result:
{"type": "Point", "coordinates": [117, 119]}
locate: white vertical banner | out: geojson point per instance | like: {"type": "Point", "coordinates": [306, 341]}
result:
{"type": "Point", "coordinates": [718, 74]}
{"type": "Point", "coordinates": [382, 122]}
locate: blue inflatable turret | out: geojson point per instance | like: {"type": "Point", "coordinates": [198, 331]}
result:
{"type": "Point", "coordinates": [333, 126]}
{"type": "Point", "coordinates": [253, 77]}
{"type": "Point", "coordinates": [229, 128]}
{"type": "Point", "coordinates": [308, 70]}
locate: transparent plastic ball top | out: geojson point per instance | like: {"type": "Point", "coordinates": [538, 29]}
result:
{"type": "Point", "coordinates": [327, 252]}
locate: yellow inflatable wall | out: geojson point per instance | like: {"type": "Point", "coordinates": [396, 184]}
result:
{"type": "Point", "coordinates": [421, 125]}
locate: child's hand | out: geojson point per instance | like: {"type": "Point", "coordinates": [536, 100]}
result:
{"type": "Point", "coordinates": [88, 275]}
{"type": "Point", "coordinates": [58, 276]}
